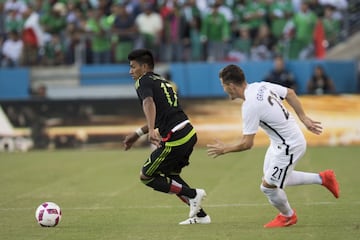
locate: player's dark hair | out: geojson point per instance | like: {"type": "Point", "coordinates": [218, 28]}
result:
{"type": "Point", "coordinates": [142, 56]}
{"type": "Point", "coordinates": [232, 74]}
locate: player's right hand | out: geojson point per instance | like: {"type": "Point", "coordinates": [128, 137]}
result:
{"type": "Point", "coordinates": [130, 140]}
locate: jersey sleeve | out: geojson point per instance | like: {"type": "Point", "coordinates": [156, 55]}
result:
{"type": "Point", "coordinates": [145, 88]}
{"type": "Point", "coordinates": [278, 89]}
{"type": "Point", "coordinates": [251, 120]}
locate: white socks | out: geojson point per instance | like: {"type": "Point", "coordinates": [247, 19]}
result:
{"type": "Point", "coordinates": [302, 178]}
{"type": "Point", "coordinates": [277, 197]}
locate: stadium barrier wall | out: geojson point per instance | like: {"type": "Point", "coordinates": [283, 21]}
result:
{"type": "Point", "coordinates": [192, 79]}
{"type": "Point", "coordinates": [91, 75]}
{"type": "Point", "coordinates": [14, 83]}
{"type": "Point", "coordinates": [201, 79]}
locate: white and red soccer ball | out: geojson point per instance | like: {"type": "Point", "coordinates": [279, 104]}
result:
{"type": "Point", "coordinates": [48, 214]}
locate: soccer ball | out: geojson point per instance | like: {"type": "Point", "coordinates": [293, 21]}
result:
{"type": "Point", "coordinates": [48, 214]}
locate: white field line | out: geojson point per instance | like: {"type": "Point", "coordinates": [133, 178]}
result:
{"type": "Point", "coordinates": [225, 205]}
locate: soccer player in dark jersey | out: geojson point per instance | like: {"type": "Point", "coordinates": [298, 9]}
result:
{"type": "Point", "coordinates": [170, 130]}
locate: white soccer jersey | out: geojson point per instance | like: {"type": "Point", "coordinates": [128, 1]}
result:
{"type": "Point", "coordinates": [263, 107]}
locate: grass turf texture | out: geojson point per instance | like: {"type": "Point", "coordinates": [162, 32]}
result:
{"type": "Point", "coordinates": [102, 198]}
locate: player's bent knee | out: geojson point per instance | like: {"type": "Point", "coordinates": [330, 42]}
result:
{"type": "Point", "coordinates": [145, 179]}
{"type": "Point", "coordinates": [266, 190]}
{"type": "Point", "coordinates": [267, 185]}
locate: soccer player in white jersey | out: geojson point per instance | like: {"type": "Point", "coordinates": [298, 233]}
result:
{"type": "Point", "coordinates": [263, 107]}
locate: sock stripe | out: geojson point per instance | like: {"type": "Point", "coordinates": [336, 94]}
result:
{"type": "Point", "coordinates": [175, 187]}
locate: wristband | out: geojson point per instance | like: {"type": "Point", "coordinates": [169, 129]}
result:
{"type": "Point", "coordinates": [139, 132]}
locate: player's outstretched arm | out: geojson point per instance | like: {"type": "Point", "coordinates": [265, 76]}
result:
{"type": "Point", "coordinates": [219, 148]}
{"type": "Point", "coordinates": [313, 126]}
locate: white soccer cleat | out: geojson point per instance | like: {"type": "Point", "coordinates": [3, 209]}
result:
{"type": "Point", "coordinates": [195, 203]}
{"type": "Point", "coordinates": [196, 220]}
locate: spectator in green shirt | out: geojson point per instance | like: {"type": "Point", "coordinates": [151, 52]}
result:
{"type": "Point", "coordinates": [54, 21]}
{"type": "Point", "coordinates": [54, 51]}
{"type": "Point", "coordinates": [215, 32]}
{"type": "Point", "coordinates": [241, 45]}
{"type": "Point", "coordinates": [331, 27]}
{"type": "Point", "coordinates": [254, 16]}
{"type": "Point", "coordinates": [13, 21]}
{"type": "Point", "coordinates": [304, 24]}
{"type": "Point", "coordinates": [98, 29]}
{"type": "Point", "coordinates": [238, 12]}
{"type": "Point", "coordinates": [280, 11]}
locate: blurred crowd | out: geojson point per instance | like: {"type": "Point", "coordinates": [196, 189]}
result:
{"type": "Point", "coordinates": [63, 32]}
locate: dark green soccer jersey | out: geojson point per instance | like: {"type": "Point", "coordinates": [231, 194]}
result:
{"type": "Point", "coordinates": [168, 111]}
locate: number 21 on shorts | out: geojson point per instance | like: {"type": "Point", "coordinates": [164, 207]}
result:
{"type": "Point", "coordinates": [277, 173]}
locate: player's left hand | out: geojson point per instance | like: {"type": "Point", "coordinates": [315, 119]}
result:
{"type": "Point", "coordinates": [216, 149]}
{"type": "Point", "coordinates": [313, 126]}
{"type": "Point", "coordinates": [154, 138]}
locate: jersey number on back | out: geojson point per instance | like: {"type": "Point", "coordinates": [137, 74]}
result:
{"type": "Point", "coordinates": [170, 94]}
{"type": "Point", "coordinates": [273, 97]}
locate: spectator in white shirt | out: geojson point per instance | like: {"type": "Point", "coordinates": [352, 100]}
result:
{"type": "Point", "coordinates": [12, 50]}
{"type": "Point", "coordinates": [150, 25]}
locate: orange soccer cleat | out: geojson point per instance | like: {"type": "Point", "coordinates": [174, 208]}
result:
{"type": "Point", "coordinates": [329, 181]}
{"type": "Point", "coordinates": [282, 221]}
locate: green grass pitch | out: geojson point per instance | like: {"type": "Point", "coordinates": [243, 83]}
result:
{"type": "Point", "coordinates": [102, 198]}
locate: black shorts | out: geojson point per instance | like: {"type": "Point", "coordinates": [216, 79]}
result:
{"type": "Point", "coordinates": [173, 154]}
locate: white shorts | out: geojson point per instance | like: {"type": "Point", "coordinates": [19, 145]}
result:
{"type": "Point", "coordinates": [280, 162]}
